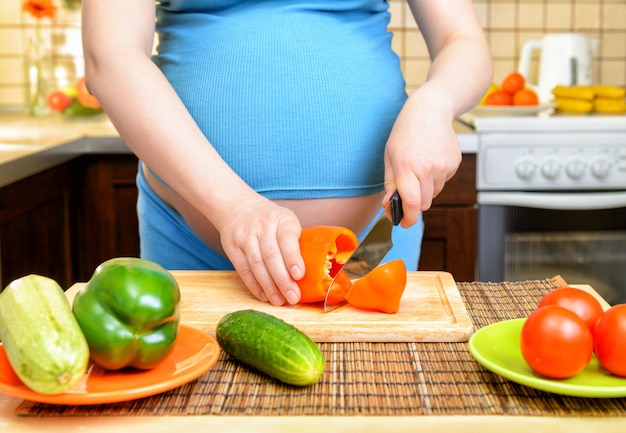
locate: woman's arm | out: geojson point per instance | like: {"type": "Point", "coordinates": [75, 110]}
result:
{"type": "Point", "coordinates": [422, 151]}
{"type": "Point", "coordinates": [260, 238]}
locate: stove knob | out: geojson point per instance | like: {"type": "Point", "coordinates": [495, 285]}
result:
{"type": "Point", "coordinates": [550, 168]}
{"type": "Point", "coordinates": [525, 168]}
{"type": "Point", "coordinates": [575, 168]}
{"type": "Point", "coordinates": [600, 167]}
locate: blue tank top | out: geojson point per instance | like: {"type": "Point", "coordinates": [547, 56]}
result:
{"type": "Point", "coordinates": [298, 97]}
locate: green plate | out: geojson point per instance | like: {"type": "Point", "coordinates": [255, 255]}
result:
{"type": "Point", "coordinates": [497, 348]}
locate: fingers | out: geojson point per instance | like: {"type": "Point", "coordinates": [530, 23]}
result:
{"type": "Point", "coordinates": [288, 237]}
{"type": "Point", "coordinates": [418, 191]}
{"type": "Point", "coordinates": [412, 199]}
{"type": "Point", "coordinates": [270, 262]}
{"type": "Point", "coordinates": [280, 256]}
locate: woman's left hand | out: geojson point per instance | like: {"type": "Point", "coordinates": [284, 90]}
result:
{"type": "Point", "coordinates": [422, 154]}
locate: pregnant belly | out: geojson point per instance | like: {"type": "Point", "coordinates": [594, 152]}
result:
{"type": "Point", "coordinates": [354, 213]}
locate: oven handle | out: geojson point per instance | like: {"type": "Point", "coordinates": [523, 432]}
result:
{"type": "Point", "coordinates": [557, 201]}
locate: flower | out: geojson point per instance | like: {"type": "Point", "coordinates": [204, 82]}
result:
{"type": "Point", "coordinates": [40, 8]}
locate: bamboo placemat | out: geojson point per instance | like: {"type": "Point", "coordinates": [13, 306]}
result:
{"type": "Point", "coordinates": [373, 378]}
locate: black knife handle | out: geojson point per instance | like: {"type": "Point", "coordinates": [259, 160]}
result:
{"type": "Point", "coordinates": [396, 208]}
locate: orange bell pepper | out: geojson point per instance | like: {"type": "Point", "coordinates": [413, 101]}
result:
{"type": "Point", "coordinates": [325, 249]}
{"type": "Point", "coordinates": [381, 289]}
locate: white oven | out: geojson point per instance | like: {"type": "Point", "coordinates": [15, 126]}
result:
{"type": "Point", "coordinates": [552, 200]}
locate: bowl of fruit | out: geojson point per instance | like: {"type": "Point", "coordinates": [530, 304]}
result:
{"type": "Point", "coordinates": [513, 96]}
{"type": "Point", "coordinates": [74, 100]}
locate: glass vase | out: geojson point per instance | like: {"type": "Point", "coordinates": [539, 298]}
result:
{"type": "Point", "coordinates": [39, 75]}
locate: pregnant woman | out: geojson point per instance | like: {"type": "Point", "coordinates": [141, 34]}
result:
{"type": "Point", "coordinates": [253, 119]}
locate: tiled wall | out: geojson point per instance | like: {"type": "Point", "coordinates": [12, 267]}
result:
{"type": "Point", "coordinates": [16, 28]}
{"type": "Point", "coordinates": [508, 24]}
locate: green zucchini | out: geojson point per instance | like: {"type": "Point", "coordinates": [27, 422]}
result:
{"type": "Point", "coordinates": [272, 346]}
{"type": "Point", "coordinates": [41, 337]}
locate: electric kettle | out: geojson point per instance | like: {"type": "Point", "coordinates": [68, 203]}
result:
{"type": "Point", "coordinates": [566, 59]}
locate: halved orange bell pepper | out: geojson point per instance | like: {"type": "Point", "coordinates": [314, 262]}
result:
{"type": "Point", "coordinates": [324, 249]}
{"type": "Point", "coordinates": [381, 289]}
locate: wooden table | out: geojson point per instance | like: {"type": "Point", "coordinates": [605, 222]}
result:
{"type": "Point", "coordinates": [10, 422]}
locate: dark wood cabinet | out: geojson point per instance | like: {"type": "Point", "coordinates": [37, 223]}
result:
{"type": "Point", "coordinates": [65, 221]}
{"type": "Point", "coordinates": [35, 229]}
{"type": "Point", "coordinates": [450, 232]}
{"type": "Point", "coordinates": [104, 217]}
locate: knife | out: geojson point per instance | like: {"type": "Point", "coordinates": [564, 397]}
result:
{"type": "Point", "coordinates": [375, 245]}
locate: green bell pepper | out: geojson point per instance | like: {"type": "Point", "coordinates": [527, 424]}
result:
{"type": "Point", "coordinates": [129, 313]}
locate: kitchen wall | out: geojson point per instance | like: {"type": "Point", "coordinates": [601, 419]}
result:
{"type": "Point", "coordinates": [508, 24]}
{"type": "Point", "coordinates": [16, 29]}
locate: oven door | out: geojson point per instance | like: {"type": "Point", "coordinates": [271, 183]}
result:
{"type": "Point", "coordinates": [537, 235]}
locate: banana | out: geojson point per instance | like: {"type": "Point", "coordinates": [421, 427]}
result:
{"type": "Point", "coordinates": [574, 92]}
{"type": "Point", "coordinates": [609, 106]}
{"type": "Point", "coordinates": [585, 99]}
{"type": "Point", "coordinates": [609, 92]}
{"type": "Point", "coordinates": [589, 92]}
{"type": "Point", "coordinates": [570, 105]}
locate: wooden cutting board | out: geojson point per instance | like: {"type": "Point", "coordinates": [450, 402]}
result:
{"type": "Point", "coordinates": [431, 310]}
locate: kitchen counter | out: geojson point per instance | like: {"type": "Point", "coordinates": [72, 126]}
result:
{"type": "Point", "coordinates": [307, 424]}
{"type": "Point", "coordinates": [29, 145]}
{"type": "Point", "coordinates": [453, 393]}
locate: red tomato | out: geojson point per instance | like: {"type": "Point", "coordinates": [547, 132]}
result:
{"type": "Point", "coordinates": [499, 97]}
{"type": "Point", "coordinates": [610, 340]}
{"type": "Point", "coordinates": [513, 83]}
{"type": "Point", "coordinates": [525, 97]}
{"type": "Point", "coordinates": [576, 300]}
{"type": "Point", "coordinates": [556, 343]}
{"type": "Point", "coordinates": [58, 101]}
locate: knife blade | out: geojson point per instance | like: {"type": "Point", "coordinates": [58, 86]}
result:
{"type": "Point", "coordinates": [370, 252]}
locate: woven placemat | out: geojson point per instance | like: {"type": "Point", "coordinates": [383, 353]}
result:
{"type": "Point", "coordinates": [373, 378]}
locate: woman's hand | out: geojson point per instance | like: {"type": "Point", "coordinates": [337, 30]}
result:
{"type": "Point", "coordinates": [422, 154]}
{"type": "Point", "coordinates": [262, 241]}
{"type": "Point", "coordinates": [259, 237]}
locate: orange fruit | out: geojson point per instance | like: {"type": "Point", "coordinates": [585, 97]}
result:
{"type": "Point", "coordinates": [84, 97]}
{"type": "Point", "coordinates": [513, 83]}
{"type": "Point", "coordinates": [492, 87]}
{"type": "Point", "coordinates": [525, 97]}
{"type": "Point", "coordinates": [499, 97]}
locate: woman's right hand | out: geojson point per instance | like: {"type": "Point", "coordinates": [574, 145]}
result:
{"type": "Point", "coordinates": [262, 240]}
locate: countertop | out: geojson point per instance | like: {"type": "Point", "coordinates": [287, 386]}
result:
{"type": "Point", "coordinates": [306, 424]}
{"type": "Point", "coordinates": [29, 145]}
{"type": "Point", "coordinates": [508, 406]}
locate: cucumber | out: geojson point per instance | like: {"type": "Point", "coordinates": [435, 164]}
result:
{"type": "Point", "coordinates": [272, 346]}
{"type": "Point", "coordinates": [41, 337]}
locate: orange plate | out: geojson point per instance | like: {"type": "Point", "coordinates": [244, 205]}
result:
{"type": "Point", "coordinates": [195, 352]}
